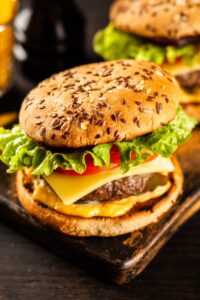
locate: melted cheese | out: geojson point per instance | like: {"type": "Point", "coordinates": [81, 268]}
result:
{"type": "Point", "coordinates": [181, 68]}
{"type": "Point", "coordinates": [72, 188]}
{"type": "Point", "coordinates": [98, 209]}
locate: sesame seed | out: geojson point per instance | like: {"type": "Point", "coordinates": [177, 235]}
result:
{"type": "Point", "coordinates": [69, 112]}
{"type": "Point", "coordinates": [55, 123]}
{"type": "Point", "coordinates": [123, 101]}
{"type": "Point", "coordinates": [108, 130]}
{"type": "Point", "coordinates": [141, 109]}
{"type": "Point", "coordinates": [158, 107]}
{"type": "Point", "coordinates": [136, 121]}
{"type": "Point", "coordinates": [42, 131]}
{"type": "Point", "coordinates": [38, 122]}
{"type": "Point", "coordinates": [116, 134]}
{"type": "Point", "coordinates": [53, 136]}
{"type": "Point", "coordinates": [53, 115]}
{"type": "Point", "coordinates": [159, 73]}
{"type": "Point", "coordinates": [100, 123]}
{"type": "Point", "coordinates": [113, 117]}
{"type": "Point", "coordinates": [84, 125]}
{"type": "Point", "coordinates": [140, 86]}
{"type": "Point", "coordinates": [147, 110]}
{"type": "Point", "coordinates": [29, 104]}
{"type": "Point", "coordinates": [79, 101]}
{"type": "Point", "coordinates": [41, 101]}
{"type": "Point", "coordinates": [118, 114]}
{"type": "Point", "coordinates": [148, 91]}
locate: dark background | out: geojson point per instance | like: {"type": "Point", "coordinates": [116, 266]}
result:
{"type": "Point", "coordinates": [96, 14]}
{"type": "Point", "coordinates": [28, 271]}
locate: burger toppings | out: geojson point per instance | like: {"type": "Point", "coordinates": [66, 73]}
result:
{"type": "Point", "coordinates": [79, 187]}
{"type": "Point", "coordinates": [92, 169]}
{"type": "Point", "coordinates": [126, 187]}
{"type": "Point", "coordinates": [126, 167]}
{"type": "Point", "coordinates": [89, 209]}
{"type": "Point", "coordinates": [112, 43]}
{"type": "Point", "coordinates": [18, 150]}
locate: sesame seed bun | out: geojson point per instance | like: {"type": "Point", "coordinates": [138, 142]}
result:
{"type": "Point", "coordinates": [100, 103]}
{"type": "Point", "coordinates": [135, 219]}
{"type": "Point", "coordinates": [174, 19]}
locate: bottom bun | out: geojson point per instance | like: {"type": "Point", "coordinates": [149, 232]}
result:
{"type": "Point", "coordinates": [136, 218]}
{"type": "Point", "coordinates": [192, 109]}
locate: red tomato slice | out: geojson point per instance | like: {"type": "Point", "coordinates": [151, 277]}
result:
{"type": "Point", "coordinates": [179, 60]}
{"type": "Point", "coordinates": [91, 169]}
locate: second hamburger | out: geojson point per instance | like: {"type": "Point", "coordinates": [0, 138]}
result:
{"type": "Point", "coordinates": [164, 32]}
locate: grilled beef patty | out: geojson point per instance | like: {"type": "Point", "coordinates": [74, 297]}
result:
{"type": "Point", "coordinates": [174, 42]}
{"type": "Point", "coordinates": [189, 80]}
{"type": "Point", "coordinates": [125, 187]}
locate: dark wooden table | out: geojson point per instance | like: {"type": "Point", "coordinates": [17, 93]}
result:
{"type": "Point", "coordinates": [28, 271]}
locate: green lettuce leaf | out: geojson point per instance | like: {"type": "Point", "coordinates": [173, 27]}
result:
{"type": "Point", "coordinates": [111, 43]}
{"type": "Point", "coordinates": [18, 151]}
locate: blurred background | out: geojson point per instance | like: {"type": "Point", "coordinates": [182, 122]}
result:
{"type": "Point", "coordinates": [41, 37]}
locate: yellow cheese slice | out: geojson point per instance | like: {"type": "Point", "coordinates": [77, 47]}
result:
{"type": "Point", "coordinates": [181, 68]}
{"type": "Point", "coordinates": [186, 97]}
{"type": "Point", "coordinates": [102, 209]}
{"type": "Point", "coordinates": [72, 188]}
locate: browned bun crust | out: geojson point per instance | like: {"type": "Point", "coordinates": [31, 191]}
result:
{"type": "Point", "coordinates": [101, 226]}
{"type": "Point", "coordinates": [169, 19]}
{"type": "Point", "coordinates": [100, 103]}
{"type": "Point", "coordinates": [192, 109]}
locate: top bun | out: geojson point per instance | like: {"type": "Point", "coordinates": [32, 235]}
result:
{"type": "Point", "coordinates": [100, 103]}
{"type": "Point", "coordinates": [172, 19]}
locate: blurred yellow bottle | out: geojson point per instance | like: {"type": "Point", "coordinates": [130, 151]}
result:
{"type": "Point", "coordinates": [8, 10]}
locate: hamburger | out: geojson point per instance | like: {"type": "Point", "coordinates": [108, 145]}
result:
{"type": "Point", "coordinates": [164, 32]}
{"type": "Point", "coordinates": [94, 147]}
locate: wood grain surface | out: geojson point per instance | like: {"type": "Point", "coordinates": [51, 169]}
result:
{"type": "Point", "coordinates": [29, 270]}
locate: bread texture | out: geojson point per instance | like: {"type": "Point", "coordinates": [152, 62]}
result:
{"type": "Point", "coordinates": [100, 103]}
{"type": "Point", "coordinates": [171, 19]}
{"type": "Point", "coordinates": [135, 219]}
